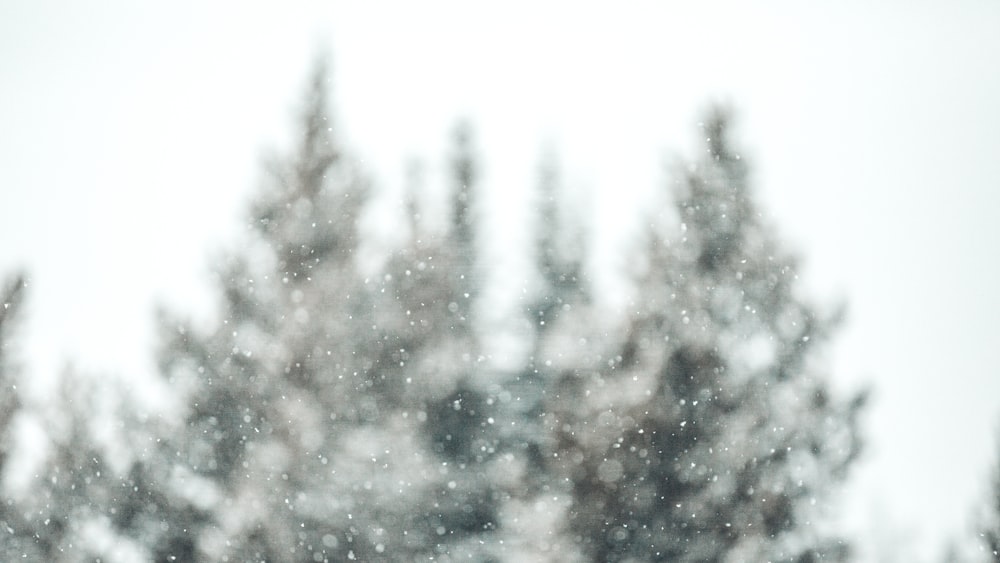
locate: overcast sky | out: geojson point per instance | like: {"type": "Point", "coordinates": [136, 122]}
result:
{"type": "Point", "coordinates": [131, 137]}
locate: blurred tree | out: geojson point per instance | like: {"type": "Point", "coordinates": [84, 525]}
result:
{"type": "Point", "coordinates": [989, 533]}
{"type": "Point", "coordinates": [986, 545]}
{"type": "Point", "coordinates": [320, 408]}
{"type": "Point", "coordinates": [94, 499]}
{"type": "Point", "coordinates": [18, 537]}
{"type": "Point", "coordinates": [10, 302]}
{"type": "Point", "coordinates": [329, 414]}
{"type": "Point", "coordinates": [707, 433]}
{"type": "Point", "coordinates": [78, 496]}
{"type": "Point", "coordinates": [558, 251]}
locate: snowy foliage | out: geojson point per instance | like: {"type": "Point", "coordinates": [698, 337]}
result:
{"type": "Point", "coordinates": [703, 433]}
{"type": "Point", "coordinates": [333, 415]}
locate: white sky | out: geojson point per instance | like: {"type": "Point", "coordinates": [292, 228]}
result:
{"type": "Point", "coordinates": [130, 138]}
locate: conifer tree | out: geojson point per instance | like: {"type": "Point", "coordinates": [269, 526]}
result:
{"type": "Point", "coordinates": [79, 505]}
{"type": "Point", "coordinates": [10, 302]}
{"type": "Point", "coordinates": [319, 409]}
{"type": "Point", "coordinates": [330, 414]}
{"type": "Point", "coordinates": [17, 536]}
{"type": "Point", "coordinates": [707, 433]}
{"type": "Point", "coordinates": [989, 532]}
{"type": "Point", "coordinates": [334, 415]}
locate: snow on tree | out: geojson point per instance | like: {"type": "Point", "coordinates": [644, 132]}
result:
{"type": "Point", "coordinates": [988, 518]}
{"type": "Point", "coordinates": [707, 432]}
{"type": "Point", "coordinates": [10, 301]}
{"type": "Point", "coordinates": [332, 414]}
{"type": "Point", "coordinates": [17, 536]}
{"type": "Point", "coordinates": [335, 415]}
{"type": "Point", "coordinates": [318, 407]}
{"type": "Point", "coordinates": [53, 477]}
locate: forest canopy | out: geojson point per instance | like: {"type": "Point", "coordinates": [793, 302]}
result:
{"type": "Point", "coordinates": [335, 415]}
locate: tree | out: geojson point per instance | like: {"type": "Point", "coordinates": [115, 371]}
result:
{"type": "Point", "coordinates": [319, 410]}
{"type": "Point", "coordinates": [83, 503]}
{"type": "Point", "coordinates": [19, 536]}
{"type": "Point", "coordinates": [989, 532]}
{"type": "Point", "coordinates": [10, 302]}
{"type": "Point", "coordinates": [332, 414]}
{"type": "Point", "coordinates": [707, 433]}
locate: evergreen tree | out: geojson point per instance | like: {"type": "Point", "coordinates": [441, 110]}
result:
{"type": "Point", "coordinates": [989, 532]}
{"type": "Point", "coordinates": [320, 408]}
{"type": "Point", "coordinates": [558, 253]}
{"type": "Point", "coordinates": [82, 504]}
{"type": "Point", "coordinates": [707, 433]}
{"type": "Point", "coordinates": [332, 415]}
{"type": "Point", "coordinates": [10, 302]}
{"type": "Point", "coordinates": [16, 530]}
{"type": "Point", "coordinates": [90, 501]}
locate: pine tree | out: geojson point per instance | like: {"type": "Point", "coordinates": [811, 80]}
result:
{"type": "Point", "coordinates": [989, 532]}
{"type": "Point", "coordinates": [10, 302]}
{"type": "Point", "coordinates": [91, 502]}
{"type": "Point", "coordinates": [264, 406]}
{"type": "Point", "coordinates": [82, 504]}
{"type": "Point", "coordinates": [320, 408]}
{"type": "Point", "coordinates": [707, 433]}
{"type": "Point", "coordinates": [16, 530]}
{"type": "Point", "coordinates": [333, 414]}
